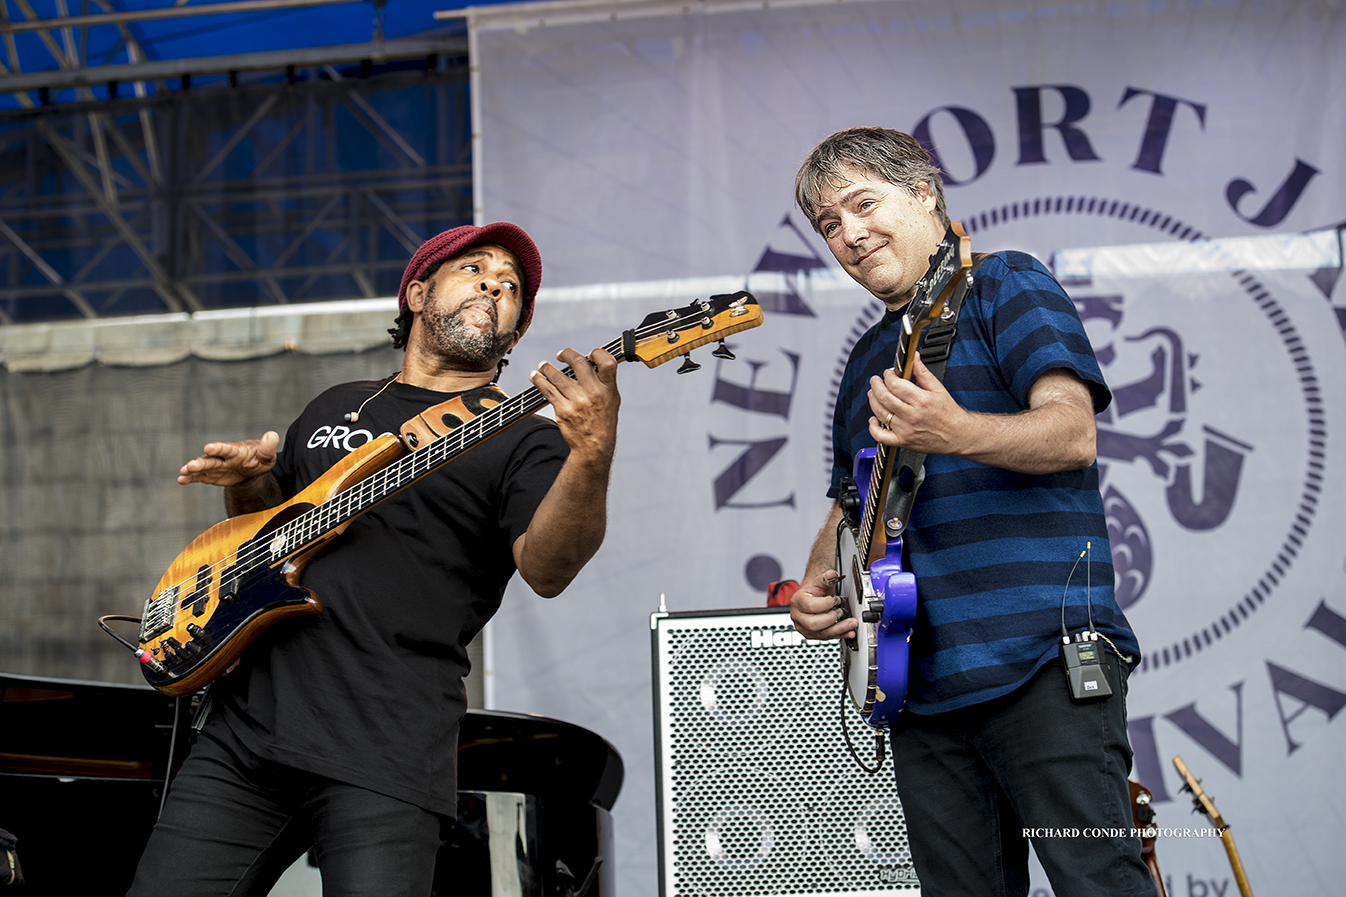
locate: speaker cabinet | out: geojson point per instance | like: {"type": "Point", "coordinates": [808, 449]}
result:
{"type": "Point", "coordinates": [757, 791]}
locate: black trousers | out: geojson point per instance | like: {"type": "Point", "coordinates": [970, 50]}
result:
{"type": "Point", "coordinates": [978, 784]}
{"type": "Point", "coordinates": [233, 823]}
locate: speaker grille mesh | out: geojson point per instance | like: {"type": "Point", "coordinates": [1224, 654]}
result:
{"type": "Point", "coordinates": [758, 793]}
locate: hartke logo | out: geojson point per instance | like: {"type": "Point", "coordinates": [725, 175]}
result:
{"type": "Point", "coordinates": [1212, 452]}
{"type": "Point", "coordinates": [778, 638]}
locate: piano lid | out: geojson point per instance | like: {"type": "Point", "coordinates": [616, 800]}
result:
{"type": "Point", "coordinates": [73, 727]}
{"type": "Point", "coordinates": [499, 751]}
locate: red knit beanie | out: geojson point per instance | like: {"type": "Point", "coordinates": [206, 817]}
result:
{"type": "Point", "coordinates": [460, 239]}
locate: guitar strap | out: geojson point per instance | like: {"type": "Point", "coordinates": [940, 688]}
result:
{"type": "Point", "coordinates": [909, 466]}
{"type": "Point", "coordinates": [437, 420]}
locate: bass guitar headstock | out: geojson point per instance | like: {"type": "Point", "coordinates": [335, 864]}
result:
{"type": "Point", "coordinates": [664, 336]}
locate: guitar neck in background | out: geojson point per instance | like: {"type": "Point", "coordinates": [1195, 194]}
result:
{"type": "Point", "coordinates": [1204, 804]}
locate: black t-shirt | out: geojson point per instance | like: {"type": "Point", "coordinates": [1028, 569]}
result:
{"type": "Point", "coordinates": [370, 691]}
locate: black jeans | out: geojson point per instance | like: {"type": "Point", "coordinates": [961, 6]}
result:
{"type": "Point", "coordinates": [233, 823]}
{"type": "Point", "coordinates": [977, 784]}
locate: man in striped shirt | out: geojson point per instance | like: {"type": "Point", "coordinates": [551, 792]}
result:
{"type": "Point", "coordinates": [990, 745]}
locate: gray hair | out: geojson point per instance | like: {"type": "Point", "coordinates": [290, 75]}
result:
{"type": "Point", "coordinates": [881, 153]}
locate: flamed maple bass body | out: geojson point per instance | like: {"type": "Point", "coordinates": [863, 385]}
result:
{"type": "Point", "coordinates": [242, 575]}
{"type": "Point", "coordinates": [874, 588]}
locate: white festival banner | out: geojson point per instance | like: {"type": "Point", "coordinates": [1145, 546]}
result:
{"type": "Point", "coordinates": [1179, 164]}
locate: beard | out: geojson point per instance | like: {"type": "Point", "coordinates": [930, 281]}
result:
{"type": "Point", "coordinates": [458, 339]}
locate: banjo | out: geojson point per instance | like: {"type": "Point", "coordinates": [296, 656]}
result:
{"type": "Point", "coordinates": [873, 586]}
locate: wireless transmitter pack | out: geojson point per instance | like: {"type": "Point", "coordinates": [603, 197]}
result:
{"type": "Point", "coordinates": [1087, 668]}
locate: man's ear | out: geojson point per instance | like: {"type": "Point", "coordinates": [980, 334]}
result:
{"type": "Point", "coordinates": [924, 194]}
{"type": "Point", "coordinates": [416, 291]}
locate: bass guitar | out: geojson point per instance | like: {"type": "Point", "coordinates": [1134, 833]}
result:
{"type": "Point", "coordinates": [873, 586]}
{"type": "Point", "coordinates": [242, 576]}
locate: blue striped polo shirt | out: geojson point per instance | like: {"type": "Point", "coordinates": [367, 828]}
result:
{"type": "Point", "coordinates": [991, 548]}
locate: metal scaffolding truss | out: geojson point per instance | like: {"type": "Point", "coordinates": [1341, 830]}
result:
{"type": "Point", "coordinates": [252, 180]}
{"type": "Point", "coordinates": [72, 42]}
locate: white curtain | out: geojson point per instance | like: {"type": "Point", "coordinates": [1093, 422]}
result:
{"type": "Point", "coordinates": [646, 147]}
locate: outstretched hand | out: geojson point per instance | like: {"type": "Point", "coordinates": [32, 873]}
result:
{"type": "Point", "coordinates": [231, 463]}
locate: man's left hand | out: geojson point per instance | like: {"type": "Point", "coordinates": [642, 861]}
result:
{"type": "Point", "coordinates": [569, 525]}
{"type": "Point", "coordinates": [586, 407]}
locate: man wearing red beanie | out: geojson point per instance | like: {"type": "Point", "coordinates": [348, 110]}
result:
{"type": "Point", "coordinates": [340, 730]}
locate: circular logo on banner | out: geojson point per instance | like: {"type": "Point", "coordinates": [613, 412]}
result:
{"type": "Point", "coordinates": [1211, 453]}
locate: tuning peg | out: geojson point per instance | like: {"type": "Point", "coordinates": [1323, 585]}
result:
{"type": "Point", "coordinates": [688, 365]}
{"type": "Point", "coordinates": [723, 352]}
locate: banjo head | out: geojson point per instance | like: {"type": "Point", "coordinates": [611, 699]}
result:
{"type": "Point", "coordinates": [859, 657]}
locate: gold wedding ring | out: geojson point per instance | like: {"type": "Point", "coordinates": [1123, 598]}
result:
{"type": "Point", "coordinates": [888, 420]}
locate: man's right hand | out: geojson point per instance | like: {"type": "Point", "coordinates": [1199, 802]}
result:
{"type": "Point", "coordinates": [231, 463]}
{"type": "Point", "coordinates": [813, 609]}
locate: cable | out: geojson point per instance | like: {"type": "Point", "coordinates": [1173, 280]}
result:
{"type": "Point", "coordinates": [354, 416]}
{"type": "Point", "coordinates": [879, 748]}
{"type": "Point", "coordinates": [1125, 657]}
{"type": "Point", "coordinates": [172, 743]}
{"type": "Point", "coordinates": [1066, 591]}
{"type": "Point", "coordinates": [1088, 602]}
{"type": "Point", "coordinates": [123, 619]}
{"type": "Point", "coordinates": [141, 654]}
{"type": "Point", "coordinates": [177, 702]}
{"type": "Point", "coordinates": [1088, 582]}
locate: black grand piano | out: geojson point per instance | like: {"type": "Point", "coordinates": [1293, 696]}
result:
{"type": "Point", "coordinates": [83, 767]}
